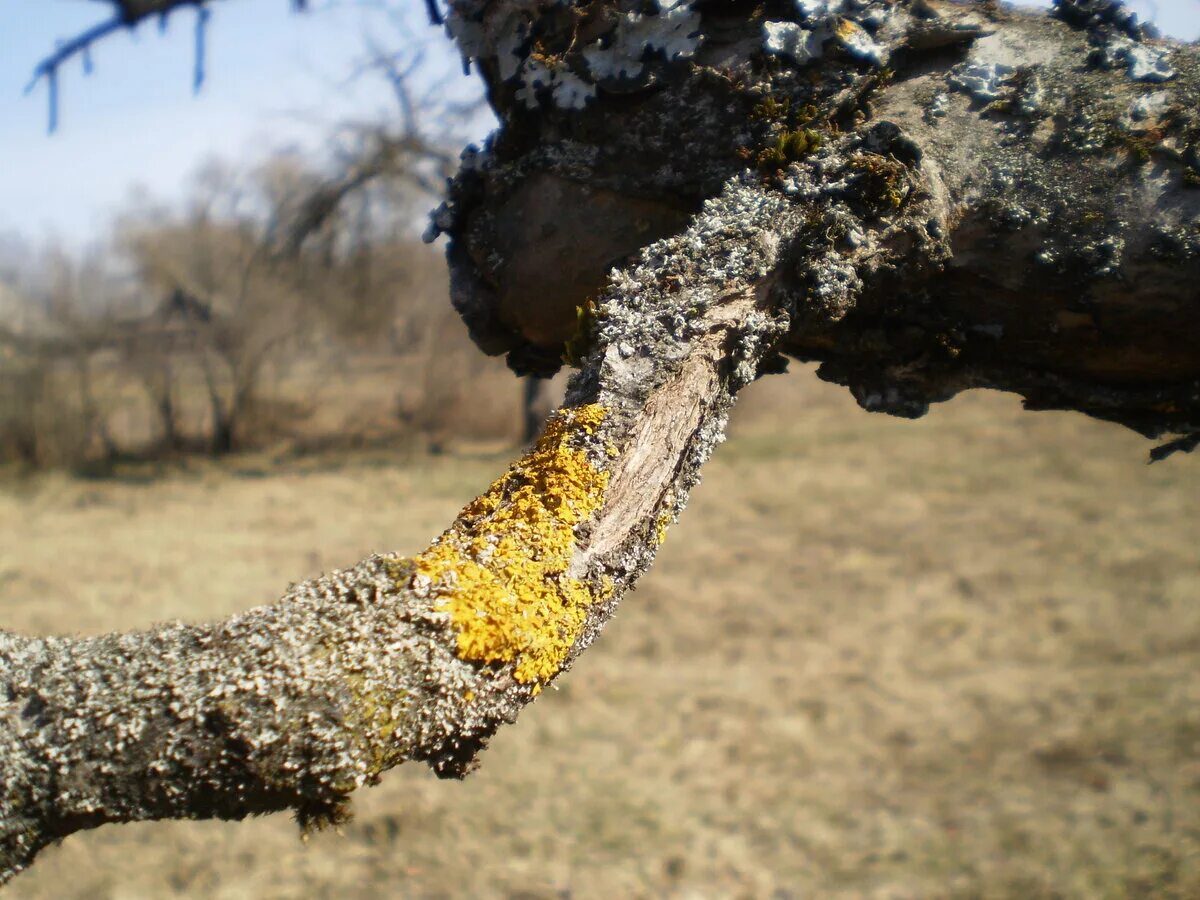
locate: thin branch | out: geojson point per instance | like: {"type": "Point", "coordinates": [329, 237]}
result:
{"type": "Point", "coordinates": [203, 14]}
{"type": "Point", "coordinates": [48, 68]}
{"type": "Point", "coordinates": [127, 15]}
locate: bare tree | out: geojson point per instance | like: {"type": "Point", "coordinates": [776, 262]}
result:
{"type": "Point", "coordinates": [391, 164]}
{"type": "Point", "coordinates": [53, 411]}
{"type": "Point", "coordinates": [926, 197]}
{"type": "Point", "coordinates": [218, 278]}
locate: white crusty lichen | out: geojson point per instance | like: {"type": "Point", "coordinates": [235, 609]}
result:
{"type": "Point", "coordinates": [510, 57]}
{"type": "Point", "coordinates": [567, 89]}
{"type": "Point", "coordinates": [1142, 61]}
{"type": "Point", "coordinates": [789, 39]}
{"type": "Point", "coordinates": [983, 81]}
{"type": "Point", "coordinates": [822, 21]}
{"type": "Point", "coordinates": [855, 39]}
{"type": "Point", "coordinates": [674, 32]}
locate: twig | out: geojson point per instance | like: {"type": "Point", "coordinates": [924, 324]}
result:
{"type": "Point", "coordinates": [48, 67]}
{"type": "Point", "coordinates": [128, 14]}
{"type": "Point", "coordinates": [203, 14]}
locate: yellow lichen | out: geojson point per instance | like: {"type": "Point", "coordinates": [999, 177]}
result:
{"type": "Point", "coordinates": [664, 520]}
{"type": "Point", "coordinates": [378, 713]}
{"type": "Point", "coordinates": [660, 530]}
{"type": "Point", "coordinates": [501, 570]}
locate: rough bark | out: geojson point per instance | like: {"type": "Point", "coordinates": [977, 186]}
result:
{"type": "Point", "coordinates": [861, 184]}
{"type": "Point", "coordinates": [1055, 161]}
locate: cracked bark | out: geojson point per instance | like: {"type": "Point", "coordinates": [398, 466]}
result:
{"type": "Point", "coordinates": [923, 197]}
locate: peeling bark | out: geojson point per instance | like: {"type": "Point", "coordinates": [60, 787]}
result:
{"type": "Point", "coordinates": [925, 197]}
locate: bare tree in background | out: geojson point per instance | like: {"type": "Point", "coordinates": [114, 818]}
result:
{"type": "Point", "coordinates": [53, 409]}
{"type": "Point", "coordinates": [392, 163]}
{"type": "Point", "coordinates": [214, 270]}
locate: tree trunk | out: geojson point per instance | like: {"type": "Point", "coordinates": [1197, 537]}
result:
{"type": "Point", "coordinates": [221, 443]}
{"type": "Point", "coordinates": [923, 197]}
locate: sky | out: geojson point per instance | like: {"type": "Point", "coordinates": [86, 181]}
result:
{"type": "Point", "coordinates": [274, 80]}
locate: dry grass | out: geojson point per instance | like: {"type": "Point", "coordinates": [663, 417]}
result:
{"type": "Point", "coordinates": [952, 658]}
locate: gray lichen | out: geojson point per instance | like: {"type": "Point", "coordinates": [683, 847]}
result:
{"type": "Point", "coordinates": [293, 705]}
{"type": "Point", "coordinates": [1148, 106]}
{"type": "Point", "coordinates": [983, 81]}
{"type": "Point", "coordinates": [1045, 148]}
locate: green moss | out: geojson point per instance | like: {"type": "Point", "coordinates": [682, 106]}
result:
{"type": "Point", "coordinates": [770, 109]}
{"type": "Point", "coordinates": [790, 147]}
{"type": "Point", "coordinates": [789, 137]}
{"type": "Point", "coordinates": [882, 181]}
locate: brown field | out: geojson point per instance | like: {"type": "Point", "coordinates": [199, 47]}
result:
{"type": "Point", "coordinates": [958, 657]}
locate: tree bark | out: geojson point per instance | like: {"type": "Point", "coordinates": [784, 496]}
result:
{"type": "Point", "coordinates": [862, 183]}
{"type": "Point", "coordinates": [1007, 199]}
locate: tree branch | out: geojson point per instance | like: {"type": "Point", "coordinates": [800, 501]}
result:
{"type": "Point", "coordinates": [295, 705]}
{"type": "Point", "coordinates": [1057, 157]}
{"type": "Point", "coordinates": [127, 15]}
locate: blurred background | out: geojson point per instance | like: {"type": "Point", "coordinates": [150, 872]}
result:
{"type": "Point", "coordinates": [957, 657]}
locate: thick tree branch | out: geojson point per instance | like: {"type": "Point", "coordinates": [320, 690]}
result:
{"type": "Point", "coordinates": [1057, 157]}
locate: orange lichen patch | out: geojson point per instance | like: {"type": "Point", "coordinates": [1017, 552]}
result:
{"type": "Point", "coordinates": [847, 28]}
{"type": "Point", "coordinates": [501, 570]}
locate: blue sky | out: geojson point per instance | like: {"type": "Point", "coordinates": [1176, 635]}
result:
{"type": "Point", "coordinates": [274, 80]}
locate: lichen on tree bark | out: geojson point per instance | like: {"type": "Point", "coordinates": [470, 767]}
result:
{"type": "Point", "coordinates": [923, 196]}
{"type": "Point", "coordinates": [1055, 160]}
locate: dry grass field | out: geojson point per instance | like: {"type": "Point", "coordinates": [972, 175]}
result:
{"type": "Point", "coordinates": [951, 658]}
